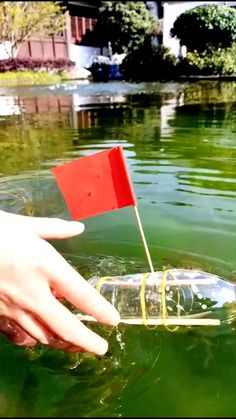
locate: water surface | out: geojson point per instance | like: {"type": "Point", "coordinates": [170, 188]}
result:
{"type": "Point", "coordinates": [179, 144]}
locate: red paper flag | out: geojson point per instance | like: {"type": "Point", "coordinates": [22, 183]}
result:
{"type": "Point", "coordinates": [95, 184]}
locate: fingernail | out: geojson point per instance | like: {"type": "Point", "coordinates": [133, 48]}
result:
{"type": "Point", "coordinates": [114, 318]}
{"type": "Point", "coordinates": [77, 226]}
{"type": "Point", "coordinates": [103, 347]}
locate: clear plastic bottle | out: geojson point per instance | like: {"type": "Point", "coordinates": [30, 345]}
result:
{"type": "Point", "coordinates": [173, 297]}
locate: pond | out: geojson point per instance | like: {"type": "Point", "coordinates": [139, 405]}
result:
{"type": "Point", "coordinates": [180, 148]}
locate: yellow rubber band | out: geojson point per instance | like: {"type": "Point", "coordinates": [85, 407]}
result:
{"type": "Point", "coordinates": [163, 299]}
{"type": "Point", "coordinates": [100, 282]}
{"type": "Point", "coordinates": [143, 301]}
{"type": "Point", "coordinates": [103, 279]}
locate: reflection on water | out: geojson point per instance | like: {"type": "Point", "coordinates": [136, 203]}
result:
{"type": "Point", "coordinates": [35, 194]}
{"type": "Point", "coordinates": [179, 143]}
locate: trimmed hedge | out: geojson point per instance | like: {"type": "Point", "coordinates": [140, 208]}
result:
{"type": "Point", "coordinates": [53, 66]}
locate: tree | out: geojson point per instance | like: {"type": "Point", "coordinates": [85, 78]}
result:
{"type": "Point", "coordinates": [206, 27]}
{"type": "Point", "coordinates": [124, 24]}
{"type": "Point", "coordinates": [20, 20]}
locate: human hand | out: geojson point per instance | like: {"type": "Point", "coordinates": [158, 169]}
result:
{"type": "Point", "coordinates": [30, 268]}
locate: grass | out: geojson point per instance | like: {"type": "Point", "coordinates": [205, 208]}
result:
{"type": "Point", "coordinates": [23, 78]}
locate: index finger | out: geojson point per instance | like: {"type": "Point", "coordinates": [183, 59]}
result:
{"type": "Point", "coordinates": [71, 285]}
{"type": "Point", "coordinates": [65, 325]}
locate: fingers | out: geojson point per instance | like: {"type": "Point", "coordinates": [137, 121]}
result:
{"type": "Point", "coordinates": [29, 332]}
{"type": "Point", "coordinates": [54, 228]}
{"type": "Point", "coordinates": [47, 228]}
{"type": "Point", "coordinates": [69, 283]}
{"type": "Point", "coordinates": [64, 324]}
{"type": "Point", "coordinates": [59, 328]}
{"type": "Point", "coordinates": [38, 333]}
{"type": "Point", "coordinates": [34, 270]}
{"type": "Point", "coordinates": [49, 322]}
{"type": "Point", "coordinates": [33, 327]}
{"type": "Point", "coordinates": [14, 333]}
{"type": "Point", "coordinates": [21, 339]}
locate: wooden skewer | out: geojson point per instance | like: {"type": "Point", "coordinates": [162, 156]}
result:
{"type": "Point", "coordinates": [143, 239]}
{"type": "Point", "coordinates": [177, 282]}
{"type": "Point", "coordinates": [178, 321]}
{"type": "Point", "coordinates": [190, 282]}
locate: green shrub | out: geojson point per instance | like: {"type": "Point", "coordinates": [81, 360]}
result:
{"type": "Point", "coordinates": [218, 62]}
{"type": "Point", "coordinates": [149, 63]}
{"type": "Point", "coordinates": [206, 27]}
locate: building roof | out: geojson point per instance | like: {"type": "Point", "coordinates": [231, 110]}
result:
{"type": "Point", "coordinates": [83, 8]}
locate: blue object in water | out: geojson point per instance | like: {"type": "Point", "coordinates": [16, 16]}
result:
{"type": "Point", "coordinates": [114, 73]}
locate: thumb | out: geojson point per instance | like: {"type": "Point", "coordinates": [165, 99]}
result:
{"type": "Point", "coordinates": [46, 228]}
{"type": "Point", "coordinates": [55, 228]}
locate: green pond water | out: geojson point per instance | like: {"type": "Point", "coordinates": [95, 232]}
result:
{"type": "Point", "coordinates": [179, 141]}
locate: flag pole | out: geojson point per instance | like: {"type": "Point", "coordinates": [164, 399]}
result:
{"type": "Point", "coordinates": [143, 238]}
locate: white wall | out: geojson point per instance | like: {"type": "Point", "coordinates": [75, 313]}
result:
{"type": "Point", "coordinates": [171, 10]}
{"type": "Point", "coordinates": [5, 50]}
